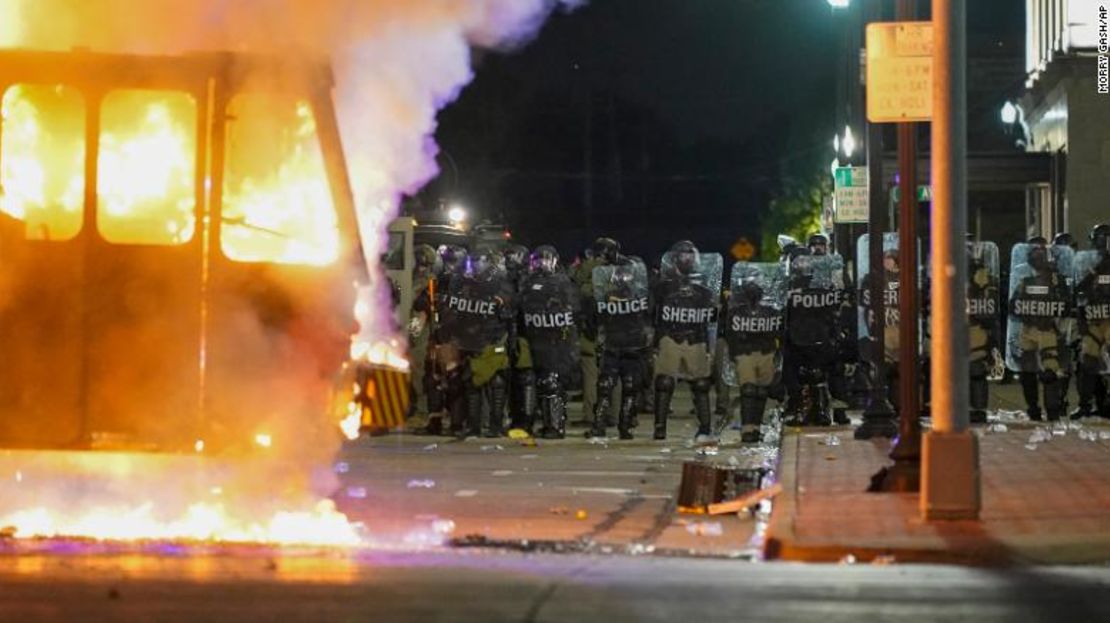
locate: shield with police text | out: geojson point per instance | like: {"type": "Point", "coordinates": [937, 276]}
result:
{"type": "Point", "coordinates": [549, 313]}
{"type": "Point", "coordinates": [623, 305]}
{"type": "Point", "coordinates": [754, 317]}
{"type": "Point", "coordinates": [815, 289]}
{"type": "Point", "coordinates": [1040, 307]}
{"type": "Point", "coordinates": [687, 296]}
{"type": "Point", "coordinates": [1092, 294]}
{"type": "Point", "coordinates": [475, 309]}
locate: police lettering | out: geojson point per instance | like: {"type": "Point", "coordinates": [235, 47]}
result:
{"type": "Point", "coordinates": [468, 306]}
{"type": "Point", "coordinates": [549, 321]}
{"type": "Point", "coordinates": [1040, 309]}
{"type": "Point", "coordinates": [814, 300]}
{"type": "Point", "coordinates": [1097, 312]}
{"type": "Point", "coordinates": [741, 324]}
{"type": "Point", "coordinates": [688, 315]}
{"type": "Point", "coordinates": [622, 308]}
{"type": "Point", "coordinates": [981, 307]}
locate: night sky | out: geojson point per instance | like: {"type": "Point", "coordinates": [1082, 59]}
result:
{"type": "Point", "coordinates": [655, 120]}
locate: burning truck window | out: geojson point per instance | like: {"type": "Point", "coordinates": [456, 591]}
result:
{"type": "Point", "coordinates": [146, 170]}
{"type": "Point", "coordinates": [277, 203]}
{"type": "Point", "coordinates": [42, 160]}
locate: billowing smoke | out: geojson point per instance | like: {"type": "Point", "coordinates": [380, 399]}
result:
{"type": "Point", "coordinates": [396, 64]}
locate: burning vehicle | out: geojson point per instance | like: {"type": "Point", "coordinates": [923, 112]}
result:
{"type": "Point", "coordinates": [178, 250]}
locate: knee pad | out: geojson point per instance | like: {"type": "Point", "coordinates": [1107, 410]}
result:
{"type": "Point", "coordinates": [749, 390]}
{"type": "Point", "coordinates": [630, 384]}
{"type": "Point", "coordinates": [664, 384]}
{"type": "Point", "coordinates": [605, 385]}
{"type": "Point", "coordinates": [701, 386]}
{"type": "Point", "coordinates": [548, 384]}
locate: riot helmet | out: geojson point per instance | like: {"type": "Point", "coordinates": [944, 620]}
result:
{"type": "Point", "coordinates": [607, 250]}
{"type": "Point", "coordinates": [516, 256]}
{"type": "Point", "coordinates": [482, 265]}
{"type": "Point", "coordinates": [1100, 237]}
{"type": "Point", "coordinates": [1064, 239]}
{"type": "Point", "coordinates": [544, 259]}
{"type": "Point", "coordinates": [890, 260]}
{"type": "Point", "coordinates": [685, 258]}
{"type": "Point", "coordinates": [425, 256]}
{"type": "Point", "coordinates": [452, 256]}
{"type": "Point", "coordinates": [818, 244]}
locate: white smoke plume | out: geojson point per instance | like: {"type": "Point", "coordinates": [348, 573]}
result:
{"type": "Point", "coordinates": [397, 63]}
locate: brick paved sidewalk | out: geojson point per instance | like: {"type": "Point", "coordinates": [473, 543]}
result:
{"type": "Point", "coordinates": [1049, 504]}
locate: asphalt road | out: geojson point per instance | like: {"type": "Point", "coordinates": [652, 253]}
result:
{"type": "Point", "coordinates": [488, 587]}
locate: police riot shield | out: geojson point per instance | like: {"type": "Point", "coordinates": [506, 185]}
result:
{"type": "Point", "coordinates": [688, 297]}
{"type": "Point", "coordinates": [622, 303]}
{"type": "Point", "coordinates": [549, 314]}
{"type": "Point", "coordinates": [475, 308]}
{"type": "Point", "coordinates": [888, 277]}
{"type": "Point", "coordinates": [754, 318]}
{"type": "Point", "coordinates": [983, 299]}
{"type": "Point", "coordinates": [1040, 323]}
{"type": "Point", "coordinates": [1092, 293]}
{"type": "Point", "coordinates": [815, 287]}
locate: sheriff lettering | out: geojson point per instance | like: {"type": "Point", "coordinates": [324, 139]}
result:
{"type": "Point", "coordinates": [470, 306]}
{"type": "Point", "coordinates": [688, 315]}
{"type": "Point", "coordinates": [549, 321]}
{"type": "Point", "coordinates": [1097, 312]}
{"type": "Point", "coordinates": [622, 307]}
{"type": "Point", "coordinates": [1040, 309]}
{"type": "Point", "coordinates": [756, 324]}
{"type": "Point", "coordinates": [982, 307]}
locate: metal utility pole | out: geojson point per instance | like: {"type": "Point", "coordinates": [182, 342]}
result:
{"type": "Point", "coordinates": [905, 475]}
{"type": "Point", "coordinates": [950, 453]}
{"type": "Point", "coordinates": [878, 417]}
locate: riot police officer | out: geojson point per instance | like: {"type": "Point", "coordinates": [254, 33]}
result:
{"type": "Point", "coordinates": [603, 252]}
{"type": "Point", "coordinates": [686, 312]}
{"type": "Point", "coordinates": [548, 307]}
{"type": "Point", "coordinates": [1040, 302]}
{"type": "Point", "coordinates": [983, 322]}
{"type": "Point", "coordinates": [1092, 285]}
{"type": "Point", "coordinates": [419, 330]}
{"type": "Point", "coordinates": [814, 297]}
{"type": "Point", "coordinates": [477, 324]}
{"type": "Point", "coordinates": [522, 378]}
{"type": "Point", "coordinates": [623, 309]}
{"type": "Point", "coordinates": [753, 331]}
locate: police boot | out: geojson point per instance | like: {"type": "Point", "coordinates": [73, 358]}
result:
{"type": "Point", "coordinates": [1053, 396]}
{"type": "Point", "coordinates": [753, 400]}
{"type": "Point", "coordinates": [1030, 392]}
{"type": "Point", "coordinates": [498, 396]}
{"type": "Point", "coordinates": [664, 389]}
{"type": "Point", "coordinates": [455, 398]}
{"type": "Point", "coordinates": [1085, 384]}
{"type": "Point", "coordinates": [700, 389]}
{"type": "Point", "coordinates": [601, 407]}
{"type": "Point", "coordinates": [628, 407]}
{"type": "Point", "coordinates": [1102, 401]}
{"type": "Point", "coordinates": [558, 409]}
{"type": "Point", "coordinates": [978, 394]}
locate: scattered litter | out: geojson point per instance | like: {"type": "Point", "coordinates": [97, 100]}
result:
{"type": "Point", "coordinates": [1088, 435]}
{"type": "Point", "coordinates": [1040, 435]}
{"type": "Point", "coordinates": [747, 501]}
{"type": "Point", "coordinates": [528, 442]}
{"type": "Point", "coordinates": [491, 448]}
{"type": "Point", "coordinates": [1104, 435]}
{"type": "Point", "coordinates": [709, 450]}
{"type": "Point", "coordinates": [1060, 430]}
{"type": "Point", "coordinates": [705, 528]}
{"type": "Point", "coordinates": [599, 441]}
{"type": "Point", "coordinates": [501, 472]}
{"type": "Point", "coordinates": [431, 446]}
{"type": "Point", "coordinates": [466, 493]}
{"type": "Point", "coordinates": [421, 484]}
{"type": "Point", "coordinates": [559, 510]}
{"type": "Point", "coordinates": [830, 458]}
{"type": "Point", "coordinates": [997, 427]}
{"type": "Point", "coordinates": [1030, 446]}
{"type": "Point", "coordinates": [581, 514]}
{"type": "Point", "coordinates": [342, 467]}
{"type": "Point", "coordinates": [443, 526]}
{"type": "Point", "coordinates": [830, 440]}
{"type": "Point", "coordinates": [637, 549]}
{"type": "Point", "coordinates": [883, 560]}
{"type": "Point", "coordinates": [733, 461]}
{"type": "Point", "coordinates": [519, 433]}
{"type": "Point", "coordinates": [529, 456]}
{"type": "Point", "coordinates": [665, 451]}
{"type": "Point", "coordinates": [356, 492]}
{"type": "Point", "coordinates": [848, 560]}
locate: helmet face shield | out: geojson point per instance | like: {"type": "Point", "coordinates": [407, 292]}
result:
{"type": "Point", "coordinates": [1100, 237]}
{"type": "Point", "coordinates": [686, 257]}
{"type": "Point", "coordinates": [819, 244]}
{"type": "Point", "coordinates": [544, 260]}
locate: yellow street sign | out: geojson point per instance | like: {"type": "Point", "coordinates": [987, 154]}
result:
{"type": "Point", "coordinates": [899, 72]}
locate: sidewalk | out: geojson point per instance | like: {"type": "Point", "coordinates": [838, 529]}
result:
{"type": "Point", "coordinates": [1043, 501]}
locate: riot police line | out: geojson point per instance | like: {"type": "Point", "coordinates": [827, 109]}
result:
{"type": "Point", "coordinates": [509, 334]}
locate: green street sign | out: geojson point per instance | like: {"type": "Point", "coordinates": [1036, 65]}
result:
{"type": "Point", "coordinates": [924, 193]}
